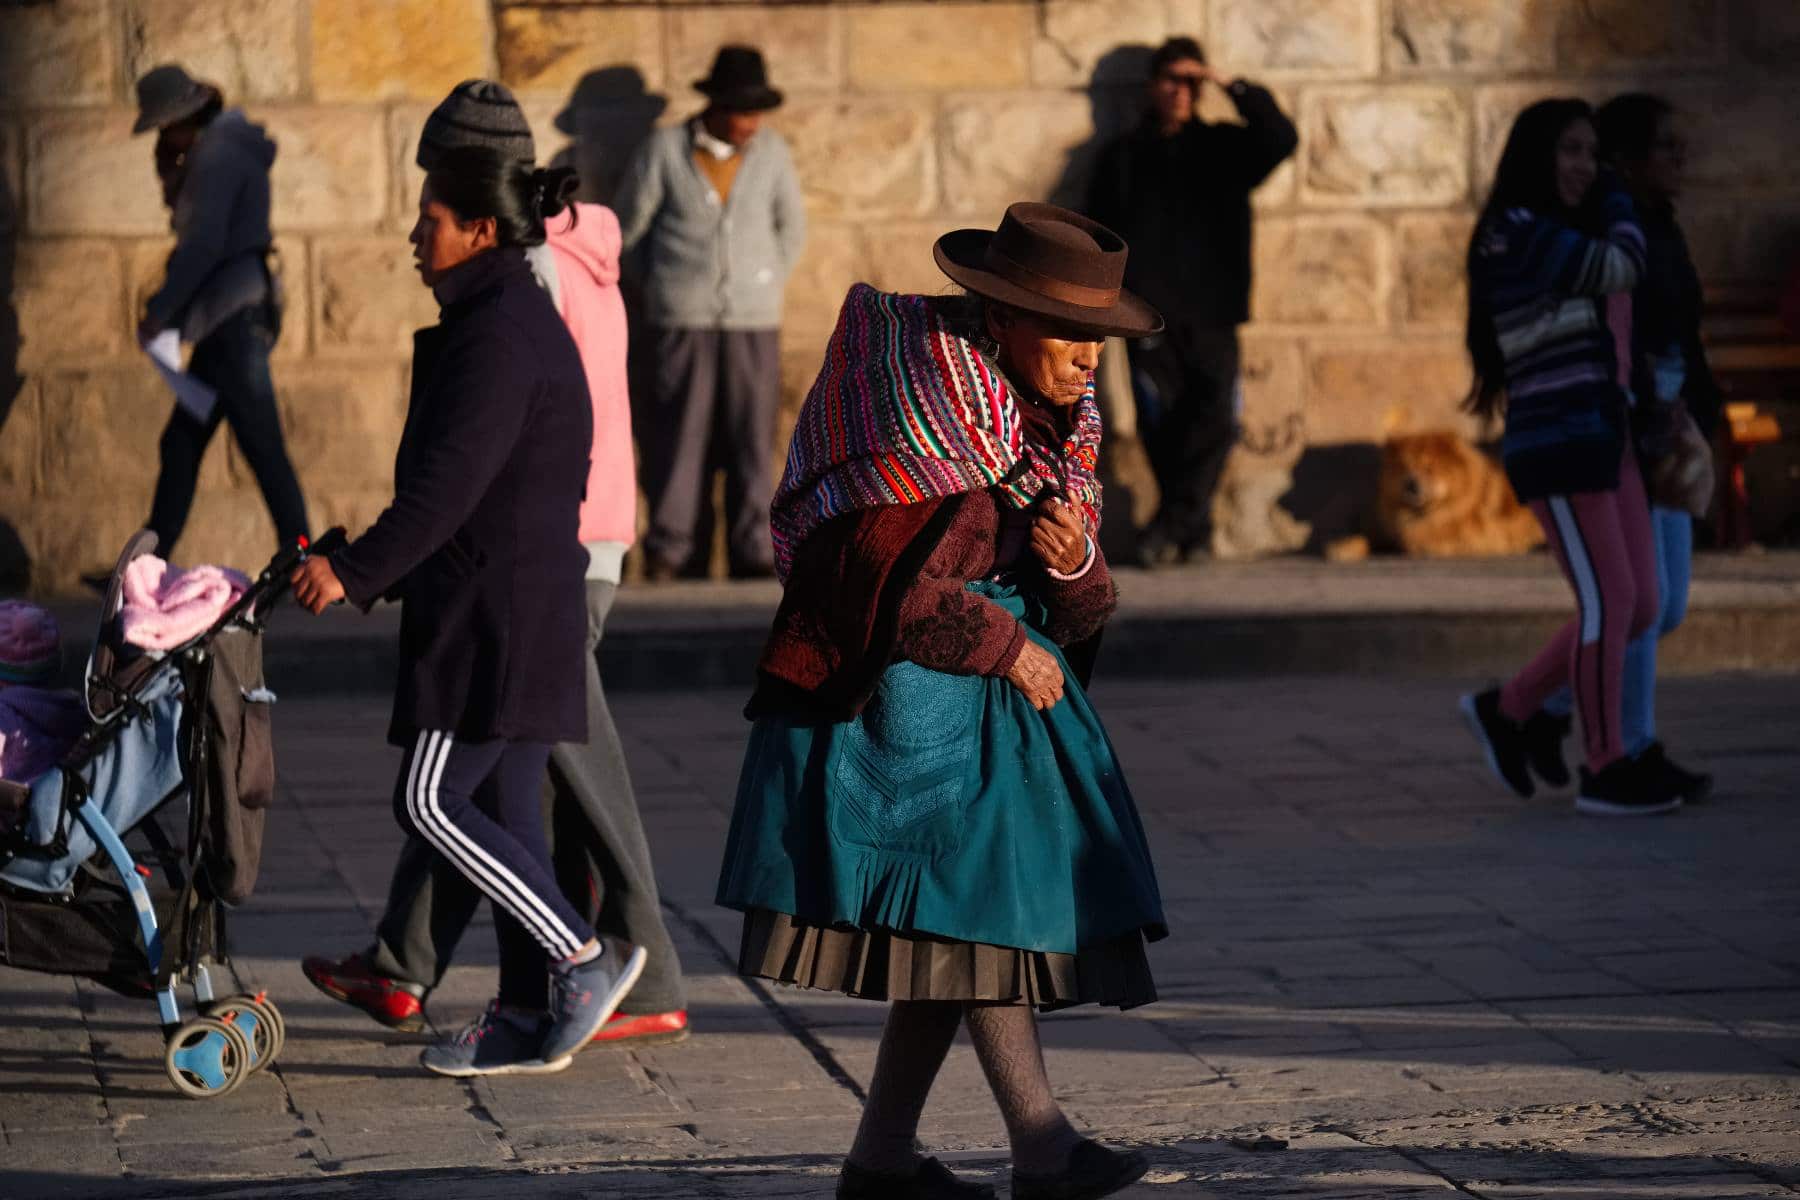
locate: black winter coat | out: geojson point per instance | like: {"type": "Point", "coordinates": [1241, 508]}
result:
{"type": "Point", "coordinates": [481, 544]}
{"type": "Point", "coordinates": [1182, 204]}
{"type": "Point", "coordinates": [1666, 309]}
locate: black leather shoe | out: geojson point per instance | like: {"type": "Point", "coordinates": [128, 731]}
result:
{"type": "Point", "coordinates": [932, 1180]}
{"type": "Point", "coordinates": [1093, 1171]}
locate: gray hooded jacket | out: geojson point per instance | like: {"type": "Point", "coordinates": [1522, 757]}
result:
{"type": "Point", "coordinates": [221, 225]}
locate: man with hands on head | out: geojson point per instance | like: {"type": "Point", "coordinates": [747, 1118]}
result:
{"type": "Point", "coordinates": [1177, 189]}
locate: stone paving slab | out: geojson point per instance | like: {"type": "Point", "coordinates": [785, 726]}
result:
{"type": "Point", "coordinates": [1428, 987]}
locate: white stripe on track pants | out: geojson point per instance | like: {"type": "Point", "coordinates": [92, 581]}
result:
{"type": "Point", "coordinates": [479, 804]}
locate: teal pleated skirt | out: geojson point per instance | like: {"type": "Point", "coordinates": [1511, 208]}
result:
{"type": "Point", "coordinates": [949, 842]}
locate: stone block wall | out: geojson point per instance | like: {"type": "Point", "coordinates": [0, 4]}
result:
{"type": "Point", "coordinates": [907, 119]}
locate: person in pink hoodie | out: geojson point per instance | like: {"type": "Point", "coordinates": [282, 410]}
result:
{"type": "Point", "coordinates": [584, 258]}
{"type": "Point", "coordinates": [602, 858]}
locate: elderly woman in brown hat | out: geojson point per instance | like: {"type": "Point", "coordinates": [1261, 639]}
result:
{"type": "Point", "coordinates": [930, 813]}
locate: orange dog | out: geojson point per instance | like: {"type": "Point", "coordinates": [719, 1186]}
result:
{"type": "Point", "coordinates": [1439, 497]}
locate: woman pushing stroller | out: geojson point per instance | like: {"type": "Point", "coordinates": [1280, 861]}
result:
{"type": "Point", "coordinates": [480, 545]}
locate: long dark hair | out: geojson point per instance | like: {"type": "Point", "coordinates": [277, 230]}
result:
{"type": "Point", "coordinates": [1525, 178]}
{"type": "Point", "coordinates": [475, 182]}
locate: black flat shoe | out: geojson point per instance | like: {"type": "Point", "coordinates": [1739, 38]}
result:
{"type": "Point", "coordinates": [932, 1180]}
{"type": "Point", "coordinates": [1093, 1171]}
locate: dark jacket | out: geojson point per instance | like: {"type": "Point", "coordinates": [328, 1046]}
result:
{"type": "Point", "coordinates": [480, 543]}
{"type": "Point", "coordinates": [1666, 309]}
{"type": "Point", "coordinates": [1182, 203]}
{"type": "Point", "coordinates": [221, 224]}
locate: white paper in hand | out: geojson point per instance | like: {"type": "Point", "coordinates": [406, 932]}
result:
{"type": "Point", "coordinates": [194, 397]}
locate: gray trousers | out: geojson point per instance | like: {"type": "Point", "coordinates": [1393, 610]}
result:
{"type": "Point", "coordinates": [598, 847]}
{"type": "Point", "coordinates": [708, 398]}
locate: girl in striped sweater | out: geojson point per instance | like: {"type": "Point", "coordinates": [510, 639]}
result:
{"type": "Point", "coordinates": [1552, 263]}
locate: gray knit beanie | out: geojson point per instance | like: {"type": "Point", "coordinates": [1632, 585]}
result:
{"type": "Point", "coordinates": [478, 112]}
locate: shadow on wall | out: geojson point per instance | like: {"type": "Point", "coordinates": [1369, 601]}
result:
{"type": "Point", "coordinates": [1334, 490]}
{"type": "Point", "coordinates": [608, 116]}
{"type": "Point", "coordinates": [1115, 99]}
{"type": "Point", "coordinates": [15, 563]}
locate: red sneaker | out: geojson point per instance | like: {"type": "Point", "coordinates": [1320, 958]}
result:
{"type": "Point", "coordinates": [390, 1001]}
{"type": "Point", "coordinates": [643, 1029]}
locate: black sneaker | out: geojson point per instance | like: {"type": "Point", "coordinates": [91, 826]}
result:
{"type": "Point", "coordinates": [1624, 788]}
{"type": "Point", "coordinates": [1694, 787]}
{"type": "Point", "coordinates": [1504, 741]}
{"type": "Point", "coordinates": [1544, 736]}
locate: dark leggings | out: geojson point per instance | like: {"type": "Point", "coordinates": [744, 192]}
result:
{"type": "Point", "coordinates": [479, 805]}
{"type": "Point", "coordinates": [234, 361]}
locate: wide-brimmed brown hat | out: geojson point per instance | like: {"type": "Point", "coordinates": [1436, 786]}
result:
{"type": "Point", "coordinates": [1054, 263]}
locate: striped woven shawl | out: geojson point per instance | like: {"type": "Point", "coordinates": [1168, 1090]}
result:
{"type": "Point", "coordinates": [906, 409]}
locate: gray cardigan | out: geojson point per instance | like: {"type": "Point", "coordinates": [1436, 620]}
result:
{"type": "Point", "coordinates": [703, 265]}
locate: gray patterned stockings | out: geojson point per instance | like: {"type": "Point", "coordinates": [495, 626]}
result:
{"type": "Point", "coordinates": [1012, 1058]}
{"type": "Point", "coordinates": [913, 1045]}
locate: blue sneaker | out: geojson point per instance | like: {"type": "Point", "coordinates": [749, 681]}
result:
{"type": "Point", "coordinates": [493, 1044]}
{"type": "Point", "coordinates": [583, 997]}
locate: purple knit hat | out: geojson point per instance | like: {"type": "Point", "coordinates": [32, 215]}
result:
{"type": "Point", "coordinates": [30, 643]}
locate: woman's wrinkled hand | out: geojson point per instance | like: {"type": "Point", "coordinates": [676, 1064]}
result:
{"type": "Point", "coordinates": [1058, 537]}
{"type": "Point", "coordinates": [1037, 676]}
{"type": "Point", "coordinates": [316, 585]}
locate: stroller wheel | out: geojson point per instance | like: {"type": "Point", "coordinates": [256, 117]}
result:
{"type": "Point", "coordinates": [257, 1020]}
{"type": "Point", "coordinates": [207, 1057]}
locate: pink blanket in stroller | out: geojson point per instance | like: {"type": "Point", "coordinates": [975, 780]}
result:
{"type": "Point", "coordinates": [165, 606]}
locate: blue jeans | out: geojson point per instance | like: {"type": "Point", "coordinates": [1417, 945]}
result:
{"type": "Point", "coordinates": [1673, 532]}
{"type": "Point", "coordinates": [234, 360]}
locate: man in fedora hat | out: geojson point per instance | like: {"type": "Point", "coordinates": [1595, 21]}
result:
{"type": "Point", "coordinates": [218, 292]}
{"type": "Point", "coordinates": [713, 223]}
{"type": "Point", "coordinates": [1178, 189]}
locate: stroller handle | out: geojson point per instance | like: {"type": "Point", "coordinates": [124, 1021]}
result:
{"type": "Point", "coordinates": [297, 552]}
{"type": "Point", "coordinates": [273, 582]}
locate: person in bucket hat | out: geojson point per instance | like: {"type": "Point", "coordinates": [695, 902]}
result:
{"type": "Point", "coordinates": [219, 292]}
{"type": "Point", "coordinates": [713, 222]}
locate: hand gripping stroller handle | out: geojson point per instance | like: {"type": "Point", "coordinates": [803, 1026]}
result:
{"type": "Point", "coordinates": [299, 550]}
{"type": "Point", "coordinates": [273, 582]}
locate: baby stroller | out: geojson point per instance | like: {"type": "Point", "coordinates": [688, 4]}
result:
{"type": "Point", "coordinates": [179, 736]}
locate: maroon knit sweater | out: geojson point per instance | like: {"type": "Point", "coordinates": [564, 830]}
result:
{"type": "Point", "coordinates": [873, 587]}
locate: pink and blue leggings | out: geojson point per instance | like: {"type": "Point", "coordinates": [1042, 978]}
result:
{"type": "Point", "coordinates": [1673, 531]}
{"type": "Point", "coordinates": [1603, 542]}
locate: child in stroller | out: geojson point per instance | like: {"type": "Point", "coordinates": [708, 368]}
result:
{"type": "Point", "coordinates": [190, 723]}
